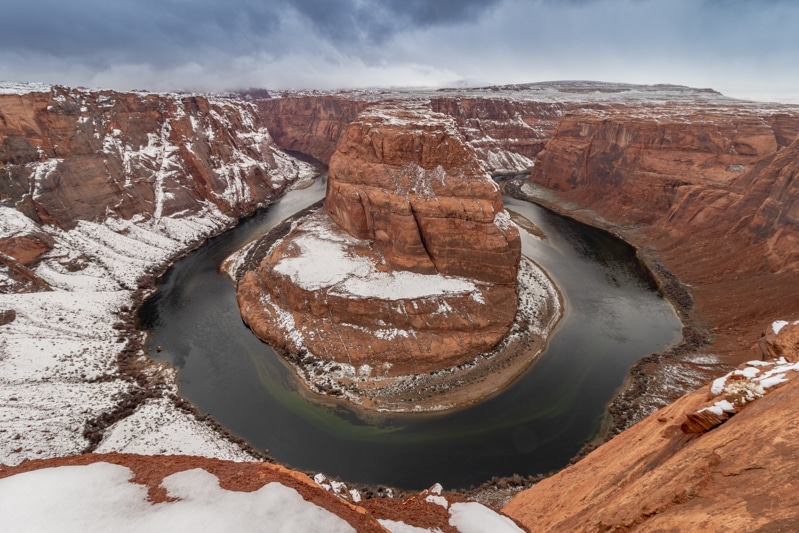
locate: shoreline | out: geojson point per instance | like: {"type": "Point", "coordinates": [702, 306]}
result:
{"type": "Point", "coordinates": [629, 403]}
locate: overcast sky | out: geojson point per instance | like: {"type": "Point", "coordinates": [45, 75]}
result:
{"type": "Point", "coordinates": [740, 47]}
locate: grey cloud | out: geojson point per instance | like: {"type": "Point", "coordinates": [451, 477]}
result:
{"type": "Point", "coordinates": [154, 30]}
{"type": "Point", "coordinates": [213, 44]}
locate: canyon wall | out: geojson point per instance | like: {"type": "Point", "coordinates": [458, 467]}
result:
{"type": "Point", "coordinates": [70, 155]}
{"type": "Point", "coordinates": [671, 472]}
{"type": "Point", "coordinates": [311, 124]}
{"type": "Point", "coordinates": [99, 192]}
{"type": "Point", "coordinates": [709, 191]}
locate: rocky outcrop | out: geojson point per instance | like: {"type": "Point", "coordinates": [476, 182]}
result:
{"type": "Point", "coordinates": [781, 339]}
{"type": "Point", "coordinates": [70, 155]}
{"type": "Point", "coordinates": [336, 293]}
{"type": "Point", "coordinates": [409, 183]}
{"type": "Point", "coordinates": [717, 459]}
{"type": "Point", "coordinates": [411, 270]}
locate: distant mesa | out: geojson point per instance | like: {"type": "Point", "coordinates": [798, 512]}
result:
{"type": "Point", "coordinates": [411, 268]}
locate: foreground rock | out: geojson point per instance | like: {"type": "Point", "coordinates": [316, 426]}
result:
{"type": "Point", "coordinates": [414, 271]}
{"type": "Point", "coordinates": [668, 473]}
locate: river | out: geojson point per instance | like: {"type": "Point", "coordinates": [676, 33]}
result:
{"type": "Point", "coordinates": [613, 316]}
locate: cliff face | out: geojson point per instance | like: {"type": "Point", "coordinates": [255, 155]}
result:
{"type": "Point", "coordinates": [410, 183]}
{"type": "Point", "coordinates": [309, 124]}
{"type": "Point", "coordinates": [100, 191]}
{"type": "Point", "coordinates": [68, 156]}
{"type": "Point", "coordinates": [506, 133]}
{"type": "Point", "coordinates": [707, 190]}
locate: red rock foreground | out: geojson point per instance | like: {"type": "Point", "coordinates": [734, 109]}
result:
{"type": "Point", "coordinates": [667, 473]}
{"type": "Point", "coordinates": [414, 271]}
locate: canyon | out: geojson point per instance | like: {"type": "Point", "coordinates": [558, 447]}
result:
{"type": "Point", "coordinates": [101, 190]}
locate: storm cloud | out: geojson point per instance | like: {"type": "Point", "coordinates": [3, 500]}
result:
{"type": "Point", "coordinates": [731, 45]}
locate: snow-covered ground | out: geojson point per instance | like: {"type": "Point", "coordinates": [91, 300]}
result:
{"type": "Point", "coordinates": [103, 497]}
{"type": "Point", "coordinates": [58, 358]}
{"type": "Point", "coordinates": [325, 262]}
{"type": "Point", "coordinates": [100, 497]}
{"type": "Point", "coordinates": [59, 368]}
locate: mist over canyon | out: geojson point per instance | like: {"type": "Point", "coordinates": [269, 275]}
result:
{"type": "Point", "coordinates": [101, 191]}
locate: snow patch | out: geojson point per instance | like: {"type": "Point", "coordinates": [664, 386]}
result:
{"type": "Point", "coordinates": [473, 517]}
{"type": "Point", "coordinates": [325, 260]}
{"type": "Point", "coordinates": [100, 495]}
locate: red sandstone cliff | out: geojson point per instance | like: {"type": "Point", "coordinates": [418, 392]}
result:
{"type": "Point", "coordinates": [708, 190]}
{"type": "Point", "coordinates": [311, 124]}
{"type": "Point", "coordinates": [73, 155]}
{"type": "Point", "coordinates": [408, 182]}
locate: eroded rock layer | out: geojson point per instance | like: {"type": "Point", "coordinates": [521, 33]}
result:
{"type": "Point", "coordinates": [409, 183]}
{"type": "Point", "coordinates": [711, 188]}
{"type": "Point", "coordinates": [331, 293]}
{"type": "Point", "coordinates": [717, 459]}
{"type": "Point", "coordinates": [411, 269]}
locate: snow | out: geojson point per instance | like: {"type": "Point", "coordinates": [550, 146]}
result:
{"type": "Point", "coordinates": [10, 87]}
{"type": "Point", "coordinates": [325, 260]}
{"type": "Point", "coordinates": [395, 526]}
{"type": "Point", "coordinates": [719, 408]}
{"type": "Point", "coordinates": [778, 325]}
{"type": "Point", "coordinates": [502, 220]}
{"type": "Point", "coordinates": [100, 496]}
{"type": "Point", "coordinates": [750, 383]}
{"type": "Point", "coordinates": [473, 517]}
{"type": "Point", "coordinates": [718, 385]}
{"type": "Point", "coordinates": [58, 358]}
{"type": "Point", "coordinates": [438, 500]}
{"type": "Point", "coordinates": [156, 427]}
{"type": "Point", "coordinates": [14, 223]}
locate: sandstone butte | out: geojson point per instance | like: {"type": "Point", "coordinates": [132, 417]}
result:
{"type": "Point", "coordinates": [411, 269]}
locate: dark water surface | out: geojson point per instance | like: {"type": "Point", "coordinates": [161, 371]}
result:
{"type": "Point", "coordinates": [613, 316]}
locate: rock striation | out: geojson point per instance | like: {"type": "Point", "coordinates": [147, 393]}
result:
{"type": "Point", "coordinates": [409, 183]}
{"type": "Point", "coordinates": [412, 267]}
{"type": "Point", "coordinates": [704, 188]}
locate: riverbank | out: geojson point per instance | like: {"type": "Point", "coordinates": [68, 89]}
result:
{"type": "Point", "coordinates": [659, 378]}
